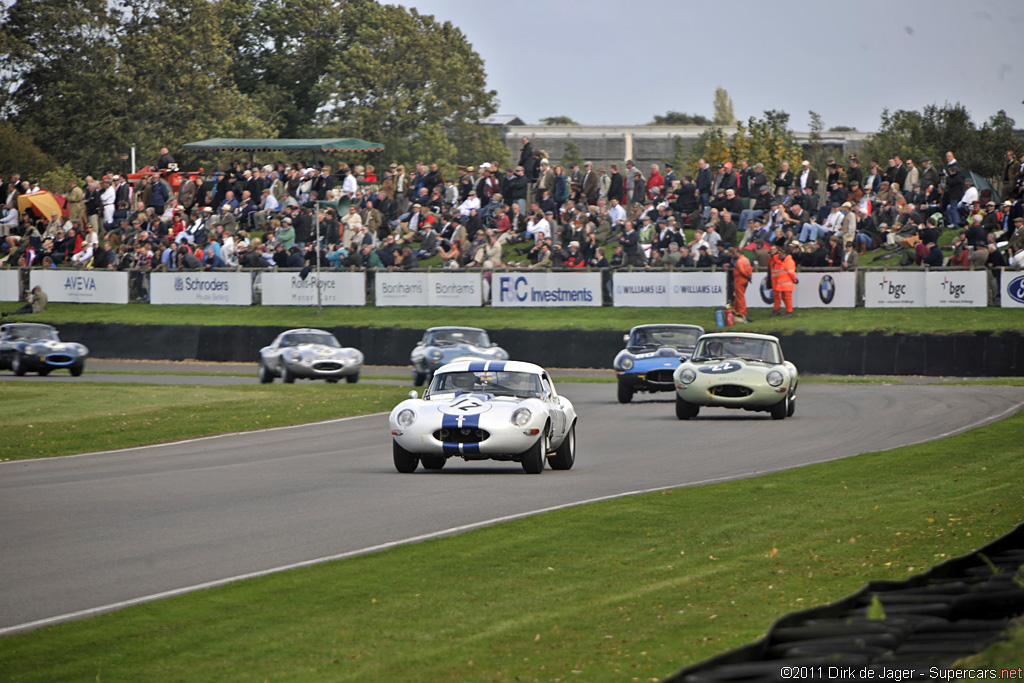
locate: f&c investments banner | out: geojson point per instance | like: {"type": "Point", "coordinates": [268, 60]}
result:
{"type": "Point", "coordinates": [545, 290]}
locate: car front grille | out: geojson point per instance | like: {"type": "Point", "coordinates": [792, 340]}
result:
{"type": "Point", "coordinates": [59, 359]}
{"type": "Point", "coordinates": [660, 376]}
{"type": "Point", "coordinates": [327, 366]}
{"type": "Point", "coordinates": [461, 435]}
{"type": "Point", "coordinates": [731, 391]}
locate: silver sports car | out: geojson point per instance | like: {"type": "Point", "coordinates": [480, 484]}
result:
{"type": "Point", "coordinates": [485, 410]}
{"type": "Point", "coordinates": [306, 353]}
{"type": "Point", "coordinates": [443, 345]}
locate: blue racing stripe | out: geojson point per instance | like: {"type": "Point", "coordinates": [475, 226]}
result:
{"type": "Point", "coordinates": [449, 421]}
{"type": "Point", "coordinates": [450, 448]}
{"type": "Point", "coordinates": [478, 366]}
{"type": "Point", "coordinates": [496, 365]}
{"type": "Point", "coordinates": [471, 448]}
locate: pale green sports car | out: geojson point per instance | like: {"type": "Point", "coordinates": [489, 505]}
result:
{"type": "Point", "coordinates": [729, 370]}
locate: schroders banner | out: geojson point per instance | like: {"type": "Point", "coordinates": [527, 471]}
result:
{"type": "Point", "coordinates": [545, 290]}
{"type": "Point", "coordinates": [336, 289]}
{"type": "Point", "coordinates": [1012, 284]}
{"type": "Point", "coordinates": [201, 287]}
{"type": "Point", "coordinates": [82, 286]}
{"type": "Point", "coordinates": [669, 289]}
{"type": "Point", "coordinates": [967, 288]}
{"type": "Point", "coordinates": [891, 289]}
{"type": "Point", "coordinates": [10, 285]}
{"type": "Point", "coordinates": [428, 289]}
{"type": "Point", "coordinates": [814, 290]}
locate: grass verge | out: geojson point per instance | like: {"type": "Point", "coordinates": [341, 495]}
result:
{"type": "Point", "coordinates": [108, 416]}
{"type": "Point", "coordinates": [630, 589]}
{"type": "Point", "coordinates": [919, 320]}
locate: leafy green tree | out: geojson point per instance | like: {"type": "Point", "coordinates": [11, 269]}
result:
{"type": "Point", "coordinates": [558, 121]}
{"type": "Point", "coordinates": [713, 146]}
{"type": "Point", "coordinates": [819, 154]}
{"type": "Point", "coordinates": [724, 115]}
{"type": "Point", "coordinates": [22, 155]}
{"type": "Point", "coordinates": [570, 156]}
{"type": "Point", "coordinates": [772, 142]}
{"type": "Point", "coordinates": [675, 118]}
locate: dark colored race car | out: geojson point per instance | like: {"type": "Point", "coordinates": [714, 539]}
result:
{"type": "Point", "coordinates": [652, 354]}
{"type": "Point", "coordinates": [34, 347]}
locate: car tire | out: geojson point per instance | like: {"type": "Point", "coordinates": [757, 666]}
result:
{"type": "Point", "coordinates": [405, 462]}
{"type": "Point", "coordinates": [433, 462]}
{"type": "Point", "coordinates": [625, 393]}
{"type": "Point", "coordinates": [18, 365]}
{"type": "Point", "coordinates": [780, 409]}
{"type": "Point", "coordinates": [332, 380]}
{"type": "Point", "coordinates": [287, 376]}
{"type": "Point", "coordinates": [418, 378]}
{"type": "Point", "coordinates": [352, 379]}
{"type": "Point", "coordinates": [533, 458]}
{"type": "Point", "coordinates": [565, 456]}
{"type": "Point", "coordinates": [43, 372]}
{"type": "Point", "coordinates": [791, 404]}
{"type": "Point", "coordinates": [76, 370]}
{"type": "Point", "coordinates": [264, 374]}
{"type": "Point", "coordinates": [684, 410]}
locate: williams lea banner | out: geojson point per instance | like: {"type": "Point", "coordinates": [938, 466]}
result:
{"type": "Point", "coordinates": [669, 289]}
{"type": "Point", "coordinates": [82, 286]}
{"type": "Point", "coordinates": [198, 287]}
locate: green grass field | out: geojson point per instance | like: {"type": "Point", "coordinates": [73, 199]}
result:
{"type": "Point", "coordinates": [625, 590]}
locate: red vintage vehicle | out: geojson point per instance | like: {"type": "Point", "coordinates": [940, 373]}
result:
{"type": "Point", "coordinates": [171, 175]}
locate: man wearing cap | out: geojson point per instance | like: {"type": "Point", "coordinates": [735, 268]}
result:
{"type": "Point", "coordinates": [848, 225]}
{"type": "Point", "coordinates": [784, 179]}
{"type": "Point", "coordinates": [782, 270]}
{"type": "Point", "coordinates": [808, 176]}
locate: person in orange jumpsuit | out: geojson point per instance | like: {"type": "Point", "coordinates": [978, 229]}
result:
{"type": "Point", "coordinates": [784, 280]}
{"type": "Point", "coordinates": [741, 273]}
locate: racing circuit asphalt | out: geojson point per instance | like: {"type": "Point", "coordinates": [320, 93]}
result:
{"type": "Point", "coordinates": [87, 534]}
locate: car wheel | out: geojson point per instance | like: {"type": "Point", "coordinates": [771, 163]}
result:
{"type": "Point", "coordinates": [625, 393]}
{"type": "Point", "coordinates": [433, 462]}
{"type": "Point", "coordinates": [780, 409]}
{"type": "Point", "coordinates": [565, 456]}
{"type": "Point", "coordinates": [791, 404]}
{"type": "Point", "coordinates": [405, 462]}
{"type": "Point", "coordinates": [684, 410]}
{"type": "Point", "coordinates": [418, 378]}
{"type": "Point", "coordinates": [352, 379]}
{"type": "Point", "coordinates": [287, 376]}
{"type": "Point", "coordinates": [44, 372]}
{"type": "Point", "coordinates": [332, 380]}
{"type": "Point", "coordinates": [533, 458]}
{"type": "Point", "coordinates": [266, 377]}
{"type": "Point", "coordinates": [76, 370]}
{"type": "Point", "coordinates": [18, 365]}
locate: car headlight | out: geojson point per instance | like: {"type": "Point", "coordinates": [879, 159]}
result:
{"type": "Point", "coordinates": [775, 378]}
{"type": "Point", "coordinates": [31, 350]}
{"type": "Point", "coordinates": [521, 417]}
{"type": "Point", "coordinates": [435, 354]}
{"type": "Point", "coordinates": [687, 376]}
{"type": "Point", "coordinates": [501, 354]}
{"type": "Point", "coordinates": [626, 363]}
{"type": "Point", "coordinates": [406, 418]}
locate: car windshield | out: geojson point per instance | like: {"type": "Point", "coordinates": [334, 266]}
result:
{"type": "Point", "coordinates": [518, 384]}
{"type": "Point", "coordinates": [745, 348]}
{"type": "Point", "coordinates": [452, 337]}
{"type": "Point", "coordinates": [23, 332]}
{"type": "Point", "coordinates": [321, 338]}
{"type": "Point", "coordinates": [664, 335]}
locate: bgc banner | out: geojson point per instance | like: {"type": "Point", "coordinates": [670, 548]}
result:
{"type": "Point", "coordinates": [1012, 283]}
{"type": "Point", "coordinates": [428, 289]}
{"type": "Point", "coordinates": [198, 287]}
{"type": "Point", "coordinates": [336, 289]}
{"type": "Point", "coordinates": [815, 290]}
{"type": "Point", "coordinates": [10, 285]}
{"type": "Point", "coordinates": [669, 289]}
{"type": "Point", "coordinates": [966, 288]}
{"type": "Point", "coordinates": [545, 290]}
{"type": "Point", "coordinates": [82, 286]}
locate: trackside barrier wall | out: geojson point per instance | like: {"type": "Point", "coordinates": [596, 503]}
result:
{"type": "Point", "coordinates": [82, 286]}
{"type": "Point", "coordinates": [964, 355]}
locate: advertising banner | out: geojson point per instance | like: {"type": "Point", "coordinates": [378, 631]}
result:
{"type": "Point", "coordinates": [814, 290]}
{"type": "Point", "coordinates": [541, 290]}
{"type": "Point", "coordinates": [10, 285]}
{"type": "Point", "coordinates": [428, 289]}
{"type": "Point", "coordinates": [201, 287]}
{"type": "Point", "coordinates": [890, 289]}
{"type": "Point", "coordinates": [336, 289]}
{"type": "Point", "coordinates": [641, 289]}
{"type": "Point", "coordinates": [698, 289]}
{"type": "Point", "coordinates": [82, 286]}
{"type": "Point", "coordinates": [1012, 284]}
{"type": "Point", "coordinates": [967, 288]}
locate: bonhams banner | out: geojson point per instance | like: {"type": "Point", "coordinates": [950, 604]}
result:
{"type": "Point", "coordinates": [199, 287]}
{"type": "Point", "coordinates": [428, 289]}
{"type": "Point", "coordinates": [336, 289]}
{"type": "Point", "coordinates": [545, 290]}
{"type": "Point", "coordinates": [82, 286]}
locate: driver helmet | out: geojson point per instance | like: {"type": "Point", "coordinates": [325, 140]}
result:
{"type": "Point", "coordinates": [715, 347]}
{"type": "Point", "coordinates": [464, 381]}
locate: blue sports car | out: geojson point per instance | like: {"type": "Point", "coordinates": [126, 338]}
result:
{"type": "Point", "coordinates": [652, 354]}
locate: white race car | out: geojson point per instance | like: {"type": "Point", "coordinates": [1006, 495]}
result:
{"type": "Point", "coordinates": [485, 410]}
{"type": "Point", "coordinates": [730, 370]}
{"type": "Point", "coordinates": [306, 353]}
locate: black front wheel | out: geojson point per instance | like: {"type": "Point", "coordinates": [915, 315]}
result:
{"type": "Point", "coordinates": [405, 462]}
{"type": "Point", "coordinates": [533, 458]}
{"type": "Point", "coordinates": [780, 409]}
{"type": "Point", "coordinates": [625, 393]}
{"type": "Point", "coordinates": [433, 462]}
{"type": "Point", "coordinates": [18, 365]}
{"type": "Point", "coordinates": [565, 455]}
{"type": "Point", "coordinates": [353, 378]}
{"type": "Point", "coordinates": [684, 410]}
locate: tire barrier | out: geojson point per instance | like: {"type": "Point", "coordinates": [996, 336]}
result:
{"type": "Point", "coordinates": [981, 354]}
{"type": "Point", "coordinates": [955, 609]}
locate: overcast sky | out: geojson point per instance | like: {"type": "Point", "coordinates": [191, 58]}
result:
{"type": "Point", "coordinates": [621, 61]}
